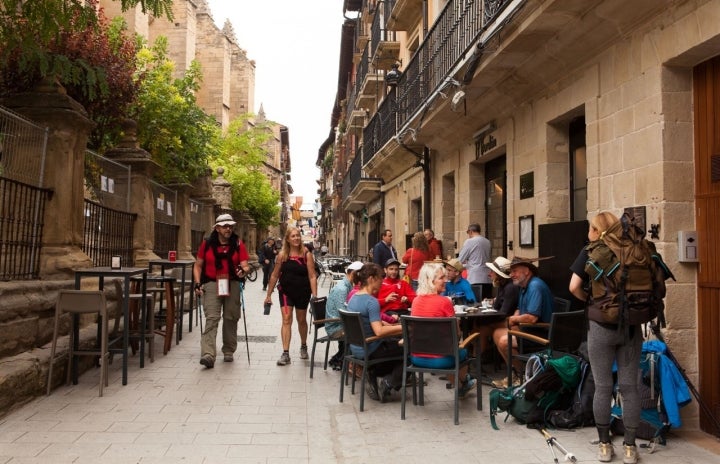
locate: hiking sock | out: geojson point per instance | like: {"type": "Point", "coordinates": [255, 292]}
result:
{"type": "Point", "coordinates": [604, 433]}
{"type": "Point", "coordinates": [629, 436]}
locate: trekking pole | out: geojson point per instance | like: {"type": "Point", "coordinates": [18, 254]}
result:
{"type": "Point", "coordinates": [200, 311]}
{"type": "Point", "coordinates": [655, 328]}
{"type": "Point", "coordinates": [567, 455]}
{"type": "Point", "coordinates": [242, 309]}
{"type": "Point", "coordinates": [548, 440]}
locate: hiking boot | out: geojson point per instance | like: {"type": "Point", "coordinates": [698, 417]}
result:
{"type": "Point", "coordinates": [372, 388]}
{"type": "Point", "coordinates": [284, 359]}
{"type": "Point", "coordinates": [630, 454]}
{"type": "Point", "coordinates": [207, 361]}
{"type": "Point", "coordinates": [228, 358]}
{"type": "Point", "coordinates": [605, 452]}
{"type": "Point", "coordinates": [384, 390]}
{"type": "Point", "coordinates": [303, 352]}
{"type": "Point", "coordinates": [467, 386]}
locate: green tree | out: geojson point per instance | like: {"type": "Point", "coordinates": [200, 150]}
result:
{"type": "Point", "coordinates": [171, 125]}
{"type": "Point", "coordinates": [241, 153]}
{"type": "Point", "coordinates": [63, 39]}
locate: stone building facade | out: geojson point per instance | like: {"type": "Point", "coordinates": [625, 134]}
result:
{"type": "Point", "coordinates": [529, 117]}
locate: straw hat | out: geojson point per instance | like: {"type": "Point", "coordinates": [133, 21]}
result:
{"type": "Point", "coordinates": [454, 263]}
{"type": "Point", "coordinates": [501, 266]}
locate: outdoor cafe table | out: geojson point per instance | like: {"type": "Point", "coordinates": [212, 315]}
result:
{"type": "Point", "coordinates": [125, 273]}
{"type": "Point", "coordinates": [181, 263]}
{"type": "Point", "coordinates": [479, 316]}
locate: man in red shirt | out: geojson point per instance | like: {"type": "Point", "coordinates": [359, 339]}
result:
{"type": "Point", "coordinates": [395, 294]}
{"type": "Point", "coordinates": [435, 245]}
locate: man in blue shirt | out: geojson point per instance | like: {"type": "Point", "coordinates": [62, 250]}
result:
{"type": "Point", "coordinates": [335, 302]}
{"type": "Point", "coordinates": [456, 285]}
{"type": "Point", "coordinates": [535, 304]}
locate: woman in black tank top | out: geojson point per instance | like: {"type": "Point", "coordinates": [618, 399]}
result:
{"type": "Point", "coordinates": [296, 280]}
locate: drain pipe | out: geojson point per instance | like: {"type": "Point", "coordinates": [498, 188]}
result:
{"type": "Point", "coordinates": [423, 161]}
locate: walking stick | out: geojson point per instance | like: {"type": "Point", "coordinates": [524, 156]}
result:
{"type": "Point", "coordinates": [200, 311]}
{"type": "Point", "coordinates": [552, 441]}
{"type": "Point", "coordinates": [242, 309]}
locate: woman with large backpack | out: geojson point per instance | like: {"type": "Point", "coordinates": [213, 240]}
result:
{"type": "Point", "coordinates": [607, 344]}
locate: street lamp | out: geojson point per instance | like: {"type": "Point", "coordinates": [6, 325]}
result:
{"type": "Point", "coordinates": [392, 77]}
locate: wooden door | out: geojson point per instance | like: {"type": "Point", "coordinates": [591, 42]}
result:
{"type": "Point", "coordinates": [706, 81]}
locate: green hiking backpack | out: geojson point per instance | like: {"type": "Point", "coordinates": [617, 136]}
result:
{"type": "Point", "coordinates": [627, 276]}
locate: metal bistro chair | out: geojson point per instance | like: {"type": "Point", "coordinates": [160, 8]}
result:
{"type": "Point", "coordinates": [435, 336]}
{"type": "Point", "coordinates": [355, 335]}
{"type": "Point", "coordinates": [565, 333]}
{"type": "Point", "coordinates": [77, 302]}
{"type": "Point", "coordinates": [318, 311]}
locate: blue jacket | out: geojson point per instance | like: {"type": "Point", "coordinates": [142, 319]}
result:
{"type": "Point", "coordinates": [675, 392]}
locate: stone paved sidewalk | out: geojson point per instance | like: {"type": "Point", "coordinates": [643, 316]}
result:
{"type": "Point", "coordinates": [174, 410]}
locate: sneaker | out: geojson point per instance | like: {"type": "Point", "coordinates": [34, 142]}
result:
{"type": "Point", "coordinates": [228, 358]}
{"type": "Point", "coordinates": [385, 390]}
{"type": "Point", "coordinates": [372, 387]}
{"type": "Point", "coordinates": [467, 386]}
{"type": "Point", "coordinates": [207, 361]}
{"type": "Point", "coordinates": [630, 454]}
{"type": "Point", "coordinates": [605, 452]}
{"type": "Point", "coordinates": [303, 352]}
{"type": "Point", "coordinates": [284, 359]}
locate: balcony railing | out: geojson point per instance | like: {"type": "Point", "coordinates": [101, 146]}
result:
{"type": "Point", "coordinates": [362, 69]}
{"type": "Point", "coordinates": [449, 40]}
{"type": "Point", "coordinates": [353, 175]}
{"type": "Point", "coordinates": [378, 32]}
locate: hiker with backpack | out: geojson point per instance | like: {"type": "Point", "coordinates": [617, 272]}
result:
{"type": "Point", "coordinates": [616, 275]}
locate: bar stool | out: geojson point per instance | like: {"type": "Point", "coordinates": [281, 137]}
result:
{"type": "Point", "coordinates": [165, 288]}
{"type": "Point", "coordinates": [142, 321]}
{"type": "Point", "coordinates": [78, 302]}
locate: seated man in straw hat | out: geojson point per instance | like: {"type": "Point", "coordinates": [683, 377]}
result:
{"type": "Point", "coordinates": [535, 304]}
{"type": "Point", "coordinates": [456, 285]}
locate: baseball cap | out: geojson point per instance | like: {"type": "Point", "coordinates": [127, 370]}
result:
{"type": "Point", "coordinates": [354, 266]}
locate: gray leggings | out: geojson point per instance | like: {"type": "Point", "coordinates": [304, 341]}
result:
{"type": "Point", "coordinates": [604, 346]}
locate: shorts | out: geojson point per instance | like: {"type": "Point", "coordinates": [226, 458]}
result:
{"type": "Point", "coordinates": [297, 301]}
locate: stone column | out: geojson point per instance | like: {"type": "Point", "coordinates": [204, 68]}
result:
{"type": "Point", "coordinates": [143, 167]}
{"type": "Point", "coordinates": [69, 127]}
{"type": "Point", "coordinates": [182, 213]}
{"type": "Point", "coordinates": [222, 191]}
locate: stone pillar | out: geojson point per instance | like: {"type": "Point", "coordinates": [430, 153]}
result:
{"type": "Point", "coordinates": [69, 127]}
{"type": "Point", "coordinates": [249, 235]}
{"type": "Point", "coordinates": [143, 167]}
{"type": "Point", "coordinates": [182, 213]}
{"type": "Point", "coordinates": [203, 193]}
{"type": "Point", "coordinates": [222, 191]}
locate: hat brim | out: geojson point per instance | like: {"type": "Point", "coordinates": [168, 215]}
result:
{"type": "Point", "coordinates": [497, 270]}
{"type": "Point", "coordinates": [527, 264]}
{"type": "Point", "coordinates": [448, 263]}
{"type": "Point", "coordinates": [225, 223]}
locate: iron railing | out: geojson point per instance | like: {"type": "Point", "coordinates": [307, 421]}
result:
{"type": "Point", "coordinates": [448, 41]}
{"type": "Point", "coordinates": [198, 224]}
{"type": "Point", "coordinates": [363, 67]}
{"type": "Point", "coordinates": [108, 232]}
{"type": "Point", "coordinates": [22, 209]}
{"type": "Point", "coordinates": [378, 32]}
{"type": "Point", "coordinates": [22, 149]}
{"type": "Point", "coordinates": [166, 228]}
{"type": "Point", "coordinates": [107, 182]}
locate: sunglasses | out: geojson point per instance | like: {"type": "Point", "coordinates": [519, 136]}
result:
{"type": "Point", "coordinates": [226, 226]}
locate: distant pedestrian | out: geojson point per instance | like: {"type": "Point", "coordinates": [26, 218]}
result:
{"type": "Point", "coordinates": [435, 245]}
{"type": "Point", "coordinates": [474, 254]}
{"type": "Point", "coordinates": [384, 250]}
{"type": "Point", "coordinates": [296, 280]}
{"type": "Point", "coordinates": [269, 251]}
{"type": "Point", "coordinates": [222, 261]}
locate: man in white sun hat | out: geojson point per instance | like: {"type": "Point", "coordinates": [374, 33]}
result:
{"type": "Point", "coordinates": [222, 261]}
